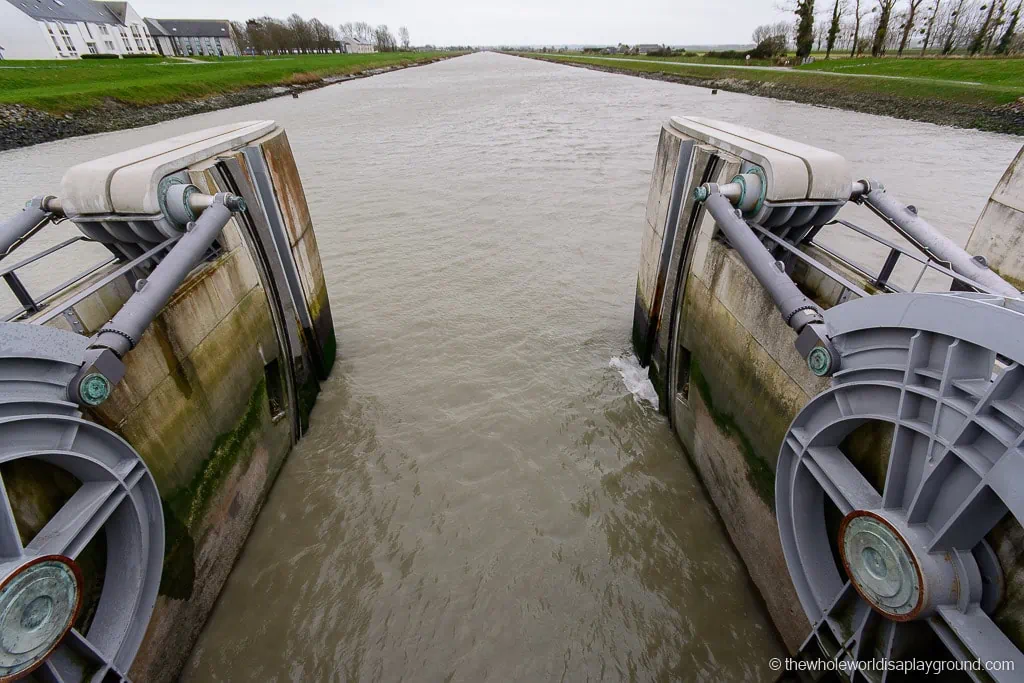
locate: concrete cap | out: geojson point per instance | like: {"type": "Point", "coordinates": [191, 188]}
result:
{"type": "Point", "coordinates": [794, 171]}
{"type": "Point", "coordinates": [127, 182]}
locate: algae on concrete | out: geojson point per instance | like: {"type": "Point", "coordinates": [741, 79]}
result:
{"type": "Point", "coordinates": [184, 509]}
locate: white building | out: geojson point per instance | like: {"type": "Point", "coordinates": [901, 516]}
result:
{"type": "Point", "coordinates": [187, 37]}
{"type": "Point", "coordinates": [356, 46]}
{"type": "Point", "coordinates": [68, 29]}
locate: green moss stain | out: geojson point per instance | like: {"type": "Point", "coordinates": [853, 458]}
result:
{"type": "Point", "coordinates": [1007, 539]}
{"type": "Point", "coordinates": [759, 474]}
{"type": "Point", "coordinates": [190, 503]}
{"type": "Point", "coordinates": [1016, 282]}
{"type": "Point", "coordinates": [330, 352]}
{"type": "Point", "coordinates": [177, 370]}
{"type": "Point", "coordinates": [179, 575]}
{"type": "Point", "coordinates": [184, 509]}
{"type": "Point", "coordinates": [306, 391]}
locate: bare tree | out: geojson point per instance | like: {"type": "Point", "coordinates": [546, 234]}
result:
{"type": "Point", "coordinates": [931, 26]}
{"type": "Point", "coordinates": [267, 34]}
{"type": "Point", "coordinates": [1006, 42]}
{"type": "Point", "coordinates": [767, 31]}
{"type": "Point", "coordinates": [403, 35]}
{"type": "Point", "coordinates": [838, 9]}
{"type": "Point", "coordinates": [770, 40]}
{"type": "Point", "coordinates": [909, 25]}
{"type": "Point", "coordinates": [952, 26]}
{"type": "Point", "coordinates": [384, 39]}
{"type": "Point", "coordinates": [363, 32]}
{"type": "Point", "coordinates": [978, 43]}
{"type": "Point", "coordinates": [882, 30]}
{"type": "Point", "coordinates": [347, 30]}
{"type": "Point", "coordinates": [995, 26]}
{"type": "Point", "coordinates": [324, 37]}
{"type": "Point", "coordinates": [858, 16]}
{"type": "Point", "coordinates": [240, 34]}
{"type": "Point", "coordinates": [301, 34]}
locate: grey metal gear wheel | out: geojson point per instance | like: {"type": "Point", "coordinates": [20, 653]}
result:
{"type": "Point", "coordinates": [888, 554]}
{"type": "Point", "coordinates": [41, 583]}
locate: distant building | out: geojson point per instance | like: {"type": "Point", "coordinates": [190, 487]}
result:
{"type": "Point", "coordinates": [189, 37]}
{"type": "Point", "coordinates": [68, 29]}
{"type": "Point", "coordinates": [356, 46]}
{"type": "Point", "coordinates": [645, 49]}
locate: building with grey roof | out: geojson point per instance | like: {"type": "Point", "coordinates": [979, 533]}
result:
{"type": "Point", "coordinates": [68, 29]}
{"type": "Point", "coordinates": [188, 37]}
{"type": "Point", "coordinates": [355, 46]}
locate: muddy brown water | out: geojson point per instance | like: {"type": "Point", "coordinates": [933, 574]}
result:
{"type": "Point", "coordinates": [479, 497]}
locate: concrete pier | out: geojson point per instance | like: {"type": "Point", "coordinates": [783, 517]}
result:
{"type": "Point", "coordinates": [216, 391]}
{"type": "Point", "coordinates": [730, 379]}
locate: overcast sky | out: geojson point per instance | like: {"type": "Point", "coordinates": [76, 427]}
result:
{"type": "Point", "coordinates": [486, 22]}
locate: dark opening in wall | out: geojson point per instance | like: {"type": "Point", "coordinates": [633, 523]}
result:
{"type": "Point", "coordinates": [683, 374]}
{"type": "Point", "coordinates": [275, 389]}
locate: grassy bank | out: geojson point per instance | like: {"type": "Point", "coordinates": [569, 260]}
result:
{"type": "Point", "coordinates": [60, 87]}
{"type": "Point", "coordinates": [996, 73]}
{"type": "Point", "coordinates": [984, 93]}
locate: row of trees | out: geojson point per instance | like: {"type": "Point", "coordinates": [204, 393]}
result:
{"type": "Point", "coordinates": [886, 26]}
{"type": "Point", "coordinates": [269, 35]}
{"type": "Point", "coordinates": [883, 26]}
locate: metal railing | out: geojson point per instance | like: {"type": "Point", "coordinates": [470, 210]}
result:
{"type": "Point", "coordinates": [30, 304]}
{"type": "Point", "coordinates": [881, 279]}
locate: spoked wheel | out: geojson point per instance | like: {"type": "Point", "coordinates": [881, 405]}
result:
{"type": "Point", "coordinates": [887, 546]}
{"type": "Point", "coordinates": [56, 620]}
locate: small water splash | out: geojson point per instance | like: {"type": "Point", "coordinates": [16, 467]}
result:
{"type": "Point", "coordinates": [636, 378]}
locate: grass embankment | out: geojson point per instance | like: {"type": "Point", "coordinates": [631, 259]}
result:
{"type": "Point", "coordinates": [975, 93]}
{"type": "Point", "coordinates": [994, 72]}
{"type": "Point", "coordinates": [61, 87]}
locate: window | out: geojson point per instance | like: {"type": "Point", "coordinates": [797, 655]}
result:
{"type": "Point", "coordinates": [53, 37]}
{"type": "Point", "coordinates": [124, 39]}
{"type": "Point", "coordinates": [92, 48]}
{"type": "Point", "coordinates": [67, 38]}
{"type": "Point", "coordinates": [138, 38]}
{"type": "Point", "coordinates": [104, 30]}
{"type": "Point", "coordinates": [109, 44]}
{"type": "Point", "coordinates": [207, 46]}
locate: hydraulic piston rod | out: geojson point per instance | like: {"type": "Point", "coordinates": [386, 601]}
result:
{"type": "Point", "coordinates": [928, 238]}
{"type": "Point", "coordinates": [125, 329]}
{"type": "Point", "coordinates": [799, 312]}
{"type": "Point", "coordinates": [102, 366]}
{"type": "Point", "coordinates": [22, 225]}
{"type": "Point", "coordinates": [796, 308]}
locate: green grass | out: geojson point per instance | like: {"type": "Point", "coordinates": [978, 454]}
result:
{"type": "Point", "coordinates": [1000, 80]}
{"type": "Point", "coordinates": [995, 72]}
{"type": "Point", "coordinates": [699, 59]}
{"type": "Point", "coordinates": [68, 86]}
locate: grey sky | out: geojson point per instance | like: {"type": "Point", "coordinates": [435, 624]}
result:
{"type": "Point", "coordinates": [483, 22]}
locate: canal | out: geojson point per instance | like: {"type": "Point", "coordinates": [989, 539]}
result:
{"type": "Point", "coordinates": [479, 495]}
